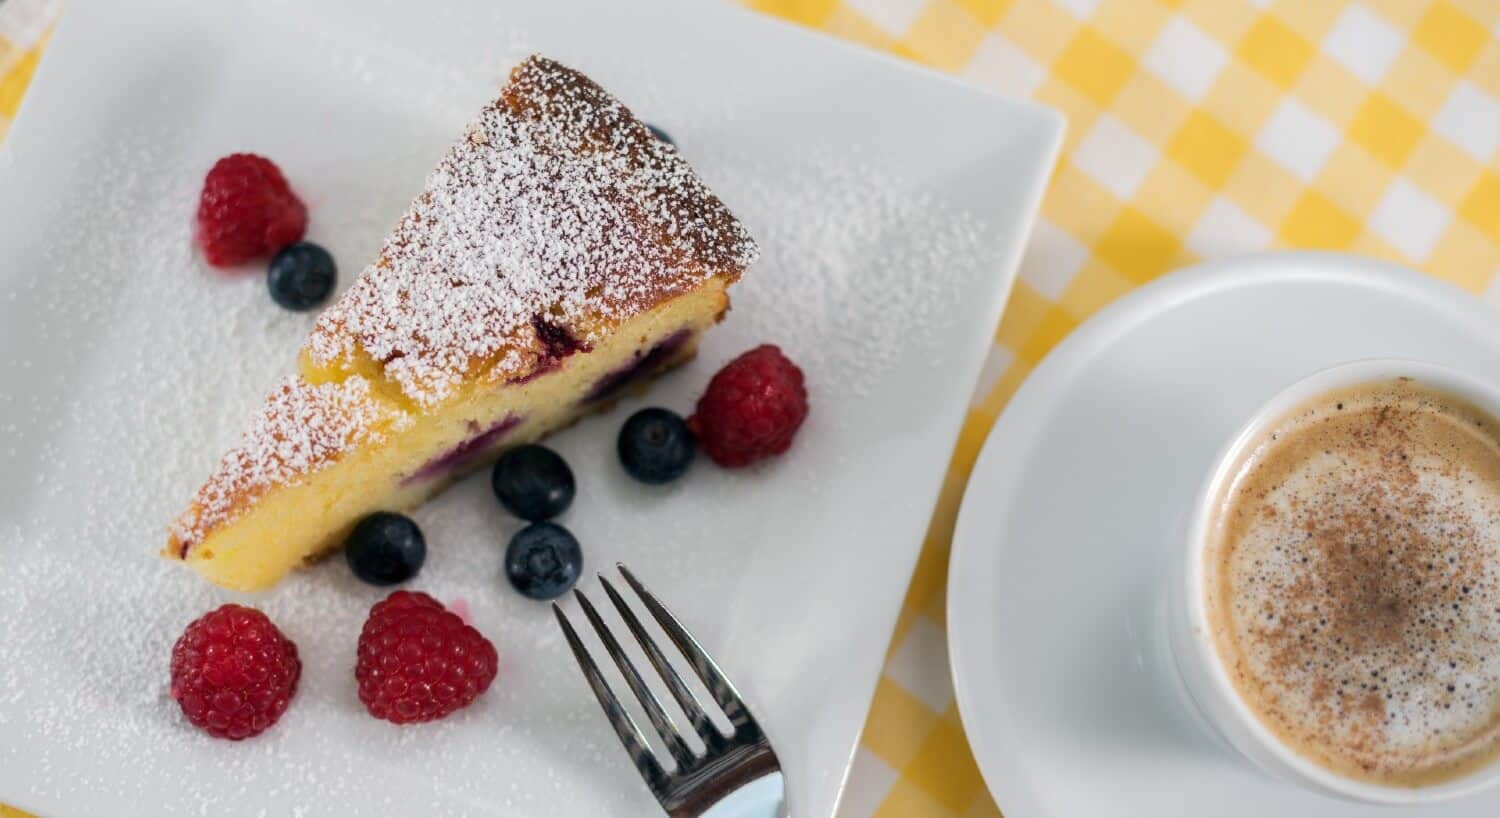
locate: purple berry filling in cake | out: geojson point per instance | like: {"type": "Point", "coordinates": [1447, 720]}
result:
{"type": "Point", "coordinates": [558, 342]}
{"type": "Point", "coordinates": [460, 455]}
{"type": "Point", "coordinates": [643, 365]}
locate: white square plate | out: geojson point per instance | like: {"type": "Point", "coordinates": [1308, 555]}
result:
{"type": "Point", "coordinates": [892, 206]}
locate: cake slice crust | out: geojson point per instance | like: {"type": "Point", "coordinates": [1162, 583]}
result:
{"type": "Point", "coordinates": [557, 209]}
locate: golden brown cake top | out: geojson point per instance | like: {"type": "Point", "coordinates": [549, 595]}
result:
{"type": "Point", "coordinates": [558, 210]}
{"type": "Point", "coordinates": [298, 429]}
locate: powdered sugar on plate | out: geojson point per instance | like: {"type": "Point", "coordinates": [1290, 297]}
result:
{"type": "Point", "coordinates": [857, 266]}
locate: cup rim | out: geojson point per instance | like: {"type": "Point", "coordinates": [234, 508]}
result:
{"type": "Point", "coordinates": [1465, 385]}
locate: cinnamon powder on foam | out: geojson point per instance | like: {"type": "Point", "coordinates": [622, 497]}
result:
{"type": "Point", "coordinates": [1355, 582]}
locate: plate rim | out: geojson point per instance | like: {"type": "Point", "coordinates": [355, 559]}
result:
{"type": "Point", "coordinates": [975, 517]}
{"type": "Point", "coordinates": [1053, 120]}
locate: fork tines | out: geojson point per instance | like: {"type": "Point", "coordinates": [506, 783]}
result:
{"type": "Point", "coordinates": [746, 745]}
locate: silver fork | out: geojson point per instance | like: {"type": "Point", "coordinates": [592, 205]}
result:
{"type": "Point", "coordinates": [737, 776]}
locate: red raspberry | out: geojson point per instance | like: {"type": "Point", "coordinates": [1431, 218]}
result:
{"type": "Point", "coordinates": [418, 661]}
{"type": "Point", "coordinates": [247, 211]}
{"type": "Point", "coordinates": [752, 409]}
{"type": "Point", "coordinates": [233, 672]}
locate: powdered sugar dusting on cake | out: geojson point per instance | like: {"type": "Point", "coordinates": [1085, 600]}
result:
{"type": "Point", "coordinates": [300, 427]}
{"type": "Point", "coordinates": [555, 202]}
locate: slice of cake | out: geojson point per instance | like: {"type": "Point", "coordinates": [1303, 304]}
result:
{"type": "Point", "coordinates": [559, 253]}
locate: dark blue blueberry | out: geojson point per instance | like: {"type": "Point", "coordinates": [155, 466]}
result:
{"type": "Point", "coordinates": [385, 548]}
{"type": "Point", "coordinates": [662, 135]}
{"type": "Point", "coordinates": [301, 276]}
{"type": "Point", "coordinates": [655, 446]}
{"type": "Point", "coordinates": [543, 560]}
{"type": "Point", "coordinates": [533, 482]}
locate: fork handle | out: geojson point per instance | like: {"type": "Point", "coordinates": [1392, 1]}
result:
{"type": "Point", "coordinates": [765, 797]}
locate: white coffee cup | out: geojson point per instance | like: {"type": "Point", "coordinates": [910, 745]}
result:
{"type": "Point", "coordinates": [1195, 656]}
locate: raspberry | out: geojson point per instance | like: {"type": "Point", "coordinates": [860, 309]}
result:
{"type": "Point", "coordinates": [247, 210]}
{"type": "Point", "coordinates": [752, 408]}
{"type": "Point", "coordinates": [418, 661]}
{"type": "Point", "coordinates": [233, 672]}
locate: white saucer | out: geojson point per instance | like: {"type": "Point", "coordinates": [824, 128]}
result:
{"type": "Point", "coordinates": [1055, 581]}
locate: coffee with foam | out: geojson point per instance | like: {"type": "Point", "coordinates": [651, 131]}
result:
{"type": "Point", "coordinates": [1353, 582]}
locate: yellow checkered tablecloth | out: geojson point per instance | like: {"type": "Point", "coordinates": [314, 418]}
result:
{"type": "Point", "coordinates": [1196, 128]}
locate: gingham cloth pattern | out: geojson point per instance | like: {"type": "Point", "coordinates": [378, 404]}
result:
{"type": "Point", "coordinates": [1196, 129]}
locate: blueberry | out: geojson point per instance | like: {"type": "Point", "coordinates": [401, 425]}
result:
{"type": "Point", "coordinates": [533, 482]}
{"type": "Point", "coordinates": [301, 276]}
{"type": "Point", "coordinates": [543, 560]}
{"type": "Point", "coordinates": [662, 135]}
{"type": "Point", "coordinates": [385, 548]}
{"type": "Point", "coordinates": [655, 446]}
